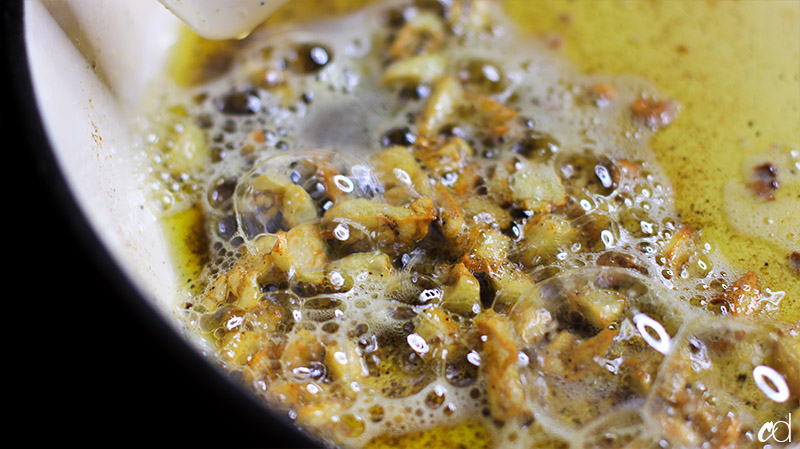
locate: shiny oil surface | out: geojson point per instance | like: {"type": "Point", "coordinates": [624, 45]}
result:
{"type": "Point", "coordinates": [734, 68]}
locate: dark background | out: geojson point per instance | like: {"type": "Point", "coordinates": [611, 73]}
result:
{"type": "Point", "coordinates": [90, 362]}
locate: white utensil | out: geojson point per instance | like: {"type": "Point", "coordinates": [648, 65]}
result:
{"type": "Point", "coordinates": [218, 19]}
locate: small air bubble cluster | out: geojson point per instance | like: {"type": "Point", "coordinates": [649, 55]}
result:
{"type": "Point", "coordinates": [287, 189]}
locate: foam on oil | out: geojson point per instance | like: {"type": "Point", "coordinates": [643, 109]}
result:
{"type": "Point", "coordinates": [344, 108]}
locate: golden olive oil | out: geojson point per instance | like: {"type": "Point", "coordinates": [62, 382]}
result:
{"type": "Point", "coordinates": [732, 66]}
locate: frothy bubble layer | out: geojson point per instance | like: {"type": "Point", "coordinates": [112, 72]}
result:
{"type": "Point", "coordinates": [288, 189]}
{"type": "Point", "coordinates": [420, 218]}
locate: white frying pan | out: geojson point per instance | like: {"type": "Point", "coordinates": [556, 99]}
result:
{"type": "Point", "coordinates": [114, 342]}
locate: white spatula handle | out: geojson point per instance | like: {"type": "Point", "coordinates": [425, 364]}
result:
{"type": "Point", "coordinates": [222, 19]}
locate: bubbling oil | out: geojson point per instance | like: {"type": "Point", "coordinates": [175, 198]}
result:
{"type": "Point", "coordinates": [297, 96]}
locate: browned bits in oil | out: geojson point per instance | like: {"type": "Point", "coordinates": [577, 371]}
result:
{"type": "Point", "coordinates": [622, 260]}
{"type": "Point", "coordinates": [493, 255]}
{"type": "Point", "coordinates": [794, 260]}
{"type": "Point", "coordinates": [742, 296]}
{"type": "Point", "coordinates": [258, 136]}
{"type": "Point", "coordinates": [655, 113]}
{"type": "Point", "coordinates": [766, 181]}
{"type": "Point", "coordinates": [602, 94]}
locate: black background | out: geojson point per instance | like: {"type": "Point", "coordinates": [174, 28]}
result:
{"type": "Point", "coordinates": [90, 362]}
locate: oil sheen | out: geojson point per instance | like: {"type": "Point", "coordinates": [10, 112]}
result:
{"type": "Point", "coordinates": [231, 114]}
